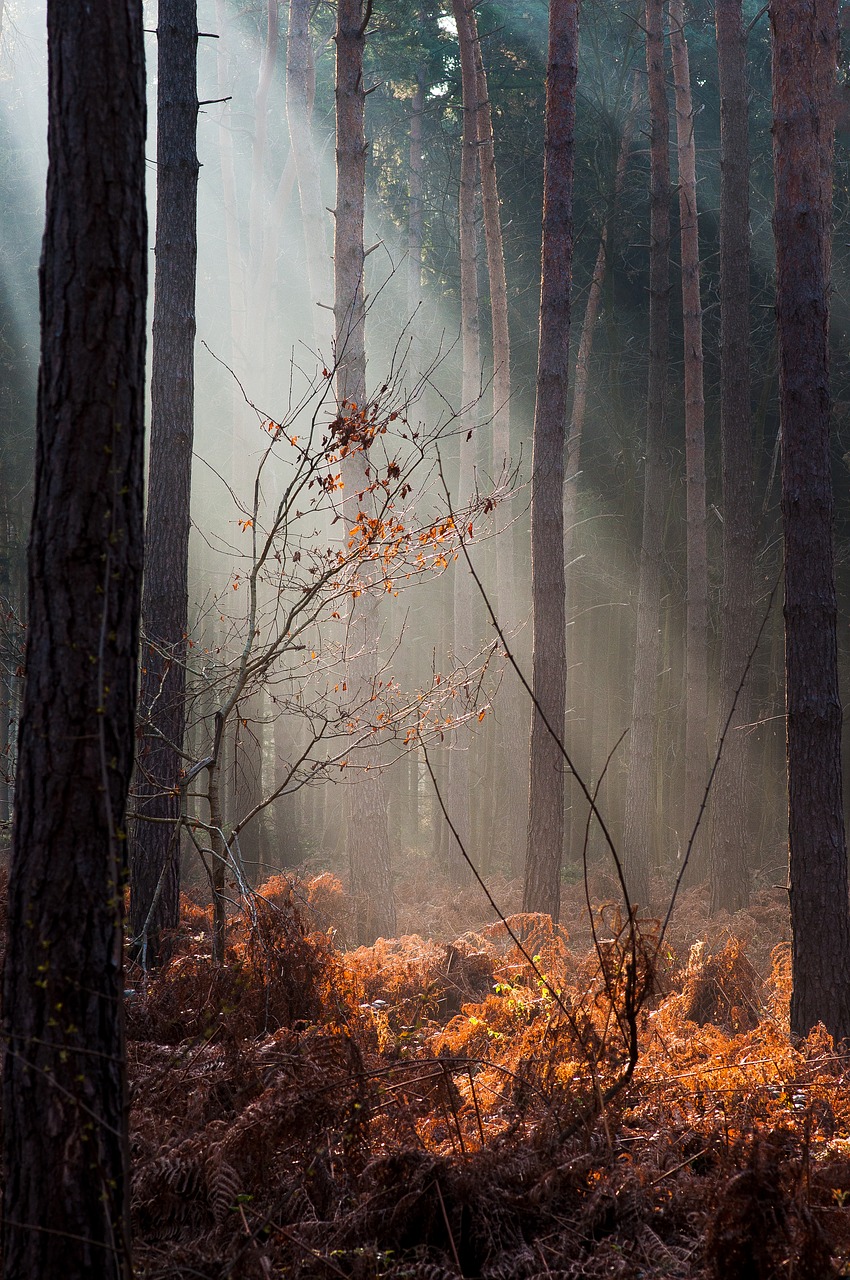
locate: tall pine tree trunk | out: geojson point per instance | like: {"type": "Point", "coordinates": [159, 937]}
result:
{"type": "Point", "coordinates": [805, 45]}
{"type": "Point", "coordinates": [66, 1193]}
{"type": "Point", "coordinates": [732, 787]}
{"type": "Point", "coordinates": [641, 826]}
{"type": "Point", "coordinates": [696, 631]}
{"type": "Point", "coordinates": [366, 807]}
{"type": "Point", "coordinates": [155, 861]}
{"type": "Point", "coordinates": [542, 889]}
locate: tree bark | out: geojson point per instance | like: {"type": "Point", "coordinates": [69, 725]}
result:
{"type": "Point", "coordinates": [366, 807]}
{"type": "Point", "coordinates": [805, 43]}
{"type": "Point", "coordinates": [696, 632]}
{"type": "Point", "coordinates": [728, 861]}
{"type": "Point", "coordinates": [542, 889]}
{"type": "Point", "coordinates": [641, 825]}
{"type": "Point", "coordinates": [64, 1086]}
{"type": "Point", "coordinates": [155, 861]}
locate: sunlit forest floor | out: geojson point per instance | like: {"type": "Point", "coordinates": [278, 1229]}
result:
{"type": "Point", "coordinates": [431, 1109]}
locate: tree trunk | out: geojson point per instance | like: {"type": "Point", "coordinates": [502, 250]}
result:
{"type": "Point", "coordinates": [155, 862]}
{"type": "Point", "coordinates": [641, 825]}
{"type": "Point", "coordinates": [728, 865]}
{"type": "Point", "coordinates": [414, 218]}
{"type": "Point", "coordinates": [578, 808]}
{"type": "Point", "coordinates": [366, 808]}
{"type": "Point", "coordinates": [513, 722]}
{"type": "Point", "coordinates": [696, 631]}
{"type": "Point", "coordinates": [299, 102]}
{"type": "Point", "coordinates": [805, 43]}
{"type": "Point", "coordinates": [458, 795]}
{"type": "Point", "coordinates": [542, 889]}
{"type": "Point", "coordinates": [256, 206]}
{"type": "Point", "coordinates": [64, 1085]}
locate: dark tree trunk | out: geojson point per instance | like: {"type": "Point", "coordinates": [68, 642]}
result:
{"type": "Point", "coordinates": [64, 1088]}
{"type": "Point", "coordinates": [805, 44]}
{"type": "Point", "coordinates": [728, 861]}
{"type": "Point", "coordinates": [542, 889]}
{"type": "Point", "coordinates": [641, 825]}
{"type": "Point", "coordinates": [366, 806]}
{"type": "Point", "coordinates": [155, 862]}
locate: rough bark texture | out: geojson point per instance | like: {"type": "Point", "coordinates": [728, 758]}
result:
{"type": "Point", "coordinates": [696, 636]}
{"type": "Point", "coordinates": [64, 1091]}
{"type": "Point", "coordinates": [542, 889]}
{"type": "Point", "coordinates": [641, 824]}
{"type": "Point", "coordinates": [155, 862]}
{"type": "Point", "coordinates": [299, 104]}
{"type": "Point", "coordinates": [805, 42]}
{"type": "Point", "coordinates": [728, 862]}
{"type": "Point", "coordinates": [366, 807]}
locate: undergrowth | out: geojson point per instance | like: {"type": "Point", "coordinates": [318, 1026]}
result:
{"type": "Point", "coordinates": [428, 1109]}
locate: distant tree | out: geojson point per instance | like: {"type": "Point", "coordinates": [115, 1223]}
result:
{"type": "Point", "coordinates": [805, 46]}
{"type": "Point", "coordinates": [696, 631]}
{"type": "Point", "coordinates": [366, 806]}
{"type": "Point", "coordinates": [458, 797]}
{"type": "Point", "coordinates": [641, 824]}
{"type": "Point", "coordinates": [155, 860]}
{"type": "Point", "coordinates": [732, 793]}
{"type": "Point", "coordinates": [542, 888]}
{"type": "Point", "coordinates": [64, 1087]}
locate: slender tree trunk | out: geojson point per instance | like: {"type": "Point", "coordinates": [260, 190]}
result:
{"type": "Point", "coordinates": [366, 807]}
{"type": "Point", "coordinates": [260, 143]}
{"type": "Point", "coordinates": [588, 329]}
{"type": "Point", "coordinates": [458, 797]}
{"type": "Point", "coordinates": [641, 825]}
{"type": "Point", "coordinates": [696, 634]}
{"type": "Point", "coordinates": [155, 862]}
{"type": "Point", "coordinates": [64, 1084]}
{"type": "Point", "coordinates": [805, 45]}
{"type": "Point", "coordinates": [299, 104]}
{"type": "Point", "coordinates": [728, 865]}
{"type": "Point", "coordinates": [233, 249]}
{"type": "Point", "coordinates": [578, 809]}
{"type": "Point", "coordinates": [414, 217]}
{"type": "Point", "coordinates": [513, 722]}
{"type": "Point", "coordinates": [542, 890]}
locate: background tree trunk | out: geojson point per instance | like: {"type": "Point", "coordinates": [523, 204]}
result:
{"type": "Point", "coordinates": [729, 875]}
{"type": "Point", "coordinates": [641, 826]}
{"type": "Point", "coordinates": [805, 45]}
{"type": "Point", "coordinates": [696, 634]}
{"type": "Point", "coordinates": [366, 806]}
{"type": "Point", "coordinates": [155, 862]}
{"type": "Point", "coordinates": [299, 104]}
{"type": "Point", "coordinates": [64, 1087]}
{"type": "Point", "coordinates": [542, 889]}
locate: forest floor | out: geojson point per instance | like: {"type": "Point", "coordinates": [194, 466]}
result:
{"type": "Point", "coordinates": [432, 1109]}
